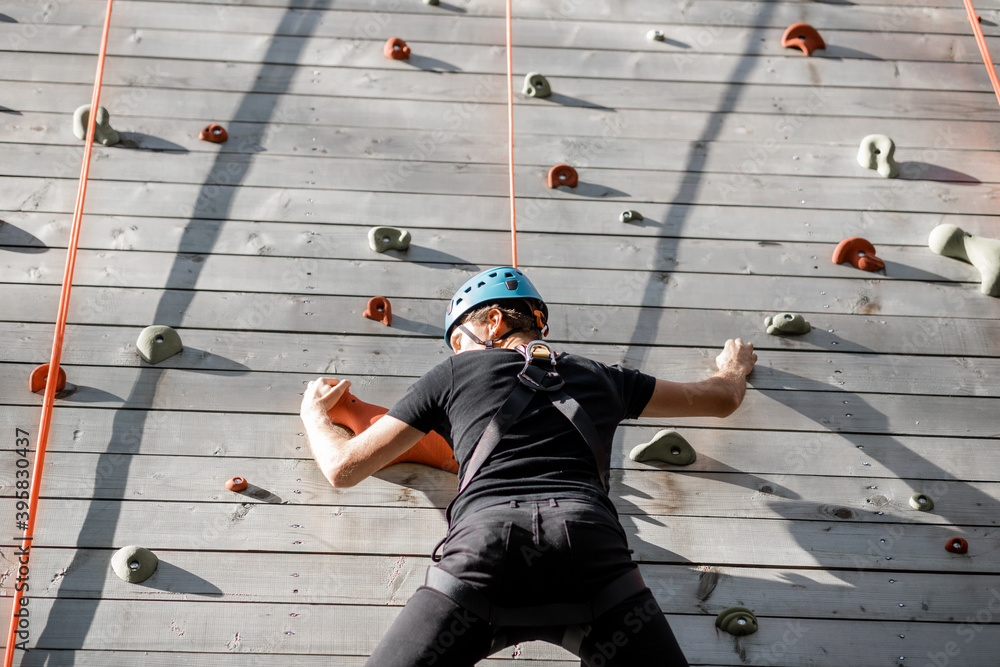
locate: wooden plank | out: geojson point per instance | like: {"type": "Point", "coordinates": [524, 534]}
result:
{"type": "Point", "coordinates": [609, 33]}
{"type": "Point", "coordinates": [634, 492]}
{"type": "Point", "coordinates": [206, 350]}
{"type": "Point", "coordinates": [132, 388]}
{"type": "Point", "coordinates": [169, 626]}
{"type": "Point", "coordinates": [414, 532]}
{"type": "Point", "coordinates": [856, 292]}
{"type": "Point", "coordinates": [782, 67]}
{"type": "Point", "coordinates": [720, 450]}
{"type": "Point", "coordinates": [791, 160]}
{"type": "Point", "coordinates": [170, 73]}
{"type": "Point", "coordinates": [806, 120]}
{"type": "Point", "coordinates": [248, 315]}
{"type": "Point", "coordinates": [110, 658]}
{"type": "Point", "coordinates": [480, 247]}
{"type": "Point", "coordinates": [390, 581]}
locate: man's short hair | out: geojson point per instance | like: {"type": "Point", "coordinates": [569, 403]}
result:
{"type": "Point", "coordinates": [518, 314]}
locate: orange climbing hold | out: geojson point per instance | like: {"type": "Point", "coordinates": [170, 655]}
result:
{"type": "Point", "coordinates": [39, 376]}
{"type": "Point", "coordinates": [431, 450]}
{"type": "Point", "coordinates": [237, 484]}
{"type": "Point", "coordinates": [803, 36]}
{"type": "Point", "coordinates": [214, 133]}
{"type": "Point", "coordinates": [563, 174]}
{"type": "Point", "coordinates": [380, 310]}
{"type": "Point", "coordinates": [396, 49]}
{"type": "Point", "coordinates": [859, 252]}
{"type": "Point", "coordinates": [957, 545]}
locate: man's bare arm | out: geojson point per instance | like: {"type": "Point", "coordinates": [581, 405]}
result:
{"type": "Point", "coordinates": [345, 460]}
{"type": "Point", "coordinates": [715, 396]}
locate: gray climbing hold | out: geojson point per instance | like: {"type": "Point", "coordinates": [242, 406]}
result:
{"type": "Point", "coordinates": [787, 323]}
{"type": "Point", "coordinates": [103, 132]}
{"type": "Point", "coordinates": [668, 446]}
{"type": "Point", "coordinates": [536, 85]}
{"type": "Point", "coordinates": [738, 621]}
{"type": "Point", "coordinates": [876, 153]}
{"type": "Point", "coordinates": [981, 252]}
{"type": "Point", "coordinates": [388, 238]}
{"type": "Point", "coordinates": [432, 2]}
{"type": "Point", "coordinates": [922, 502]}
{"type": "Point", "coordinates": [134, 564]}
{"type": "Point", "coordinates": [157, 343]}
{"type": "Point", "coordinates": [630, 216]}
{"type": "Point", "coordinates": [655, 35]}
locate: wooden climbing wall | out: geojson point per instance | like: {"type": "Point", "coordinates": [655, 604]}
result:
{"type": "Point", "coordinates": [740, 154]}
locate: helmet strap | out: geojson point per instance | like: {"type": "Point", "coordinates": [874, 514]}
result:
{"type": "Point", "coordinates": [542, 326]}
{"type": "Point", "coordinates": [485, 343]}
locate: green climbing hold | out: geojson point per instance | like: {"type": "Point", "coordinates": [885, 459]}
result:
{"type": "Point", "coordinates": [134, 564]}
{"type": "Point", "coordinates": [876, 152]}
{"type": "Point", "coordinates": [388, 238]}
{"type": "Point", "coordinates": [103, 132]}
{"type": "Point", "coordinates": [786, 323]}
{"type": "Point", "coordinates": [980, 251]}
{"type": "Point", "coordinates": [668, 446]}
{"type": "Point", "coordinates": [655, 36]}
{"type": "Point", "coordinates": [738, 621]}
{"type": "Point", "coordinates": [922, 502]}
{"type": "Point", "coordinates": [157, 343]}
{"type": "Point", "coordinates": [432, 2]}
{"type": "Point", "coordinates": [630, 216]}
{"type": "Point", "coordinates": [536, 85]}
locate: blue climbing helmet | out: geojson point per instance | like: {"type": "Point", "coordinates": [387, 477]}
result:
{"type": "Point", "coordinates": [497, 285]}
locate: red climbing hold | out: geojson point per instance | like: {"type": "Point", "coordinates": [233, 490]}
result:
{"type": "Point", "coordinates": [432, 449]}
{"type": "Point", "coordinates": [803, 36]}
{"type": "Point", "coordinates": [957, 545]}
{"type": "Point", "coordinates": [396, 49]}
{"type": "Point", "coordinates": [563, 174]}
{"type": "Point", "coordinates": [237, 484]}
{"type": "Point", "coordinates": [380, 310]}
{"type": "Point", "coordinates": [39, 376]}
{"type": "Point", "coordinates": [859, 252]}
{"type": "Point", "coordinates": [214, 133]}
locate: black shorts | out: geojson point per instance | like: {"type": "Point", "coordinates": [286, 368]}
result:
{"type": "Point", "coordinates": [522, 554]}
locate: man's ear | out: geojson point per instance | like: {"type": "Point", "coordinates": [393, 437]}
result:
{"type": "Point", "coordinates": [495, 319]}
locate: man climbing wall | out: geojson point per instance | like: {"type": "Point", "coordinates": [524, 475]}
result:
{"type": "Point", "coordinates": [534, 548]}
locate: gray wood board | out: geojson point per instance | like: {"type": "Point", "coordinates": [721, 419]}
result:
{"type": "Point", "coordinates": [388, 580]}
{"type": "Point", "coordinates": [247, 315]}
{"type": "Point", "coordinates": [634, 492]}
{"type": "Point", "coordinates": [868, 457]}
{"type": "Point", "coordinates": [480, 247]}
{"type": "Point", "coordinates": [458, 87]}
{"type": "Point", "coordinates": [805, 121]}
{"type": "Point", "coordinates": [786, 67]}
{"type": "Point", "coordinates": [253, 627]}
{"type": "Point", "coordinates": [790, 160]}
{"type": "Point", "coordinates": [208, 351]}
{"type": "Point", "coordinates": [414, 531]}
{"type": "Point", "coordinates": [609, 33]}
{"type": "Point", "coordinates": [278, 393]}
{"type": "Point", "coordinates": [856, 291]}
{"type": "Point", "coordinates": [711, 13]}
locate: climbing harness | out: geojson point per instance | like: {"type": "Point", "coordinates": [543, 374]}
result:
{"type": "Point", "coordinates": [57, 342]}
{"type": "Point", "coordinates": [539, 374]}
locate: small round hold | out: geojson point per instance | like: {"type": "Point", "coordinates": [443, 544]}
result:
{"type": "Point", "coordinates": [381, 239]}
{"type": "Point", "coordinates": [157, 343]}
{"type": "Point", "coordinates": [957, 545]}
{"type": "Point", "coordinates": [667, 446]}
{"type": "Point", "coordinates": [432, 2]}
{"type": "Point", "coordinates": [379, 309]}
{"type": "Point", "coordinates": [536, 85]}
{"type": "Point", "coordinates": [237, 484]}
{"type": "Point", "coordinates": [563, 174]}
{"type": "Point", "coordinates": [786, 323]}
{"type": "Point", "coordinates": [214, 133]}
{"type": "Point", "coordinates": [922, 502]}
{"type": "Point", "coordinates": [738, 621]}
{"type": "Point", "coordinates": [40, 376]}
{"type": "Point", "coordinates": [134, 564]}
{"type": "Point", "coordinates": [396, 49]}
{"type": "Point", "coordinates": [655, 35]}
{"type": "Point", "coordinates": [630, 216]}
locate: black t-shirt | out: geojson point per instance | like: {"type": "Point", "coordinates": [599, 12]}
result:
{"type": "Point", "coordinates": [541, 455]}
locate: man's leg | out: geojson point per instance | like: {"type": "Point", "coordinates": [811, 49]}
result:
{"type": "Point", "coordinates": [433, 630]}
{"type": "Point", "coordinates": [634, 632]}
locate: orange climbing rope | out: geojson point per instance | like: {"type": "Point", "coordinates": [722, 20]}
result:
{"type": "Point", "coordinates": [983, 50]}
{"type": "Point", "coordinates": [510, 142]}
{"type": "Point", "coordinates": [18, 624]}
